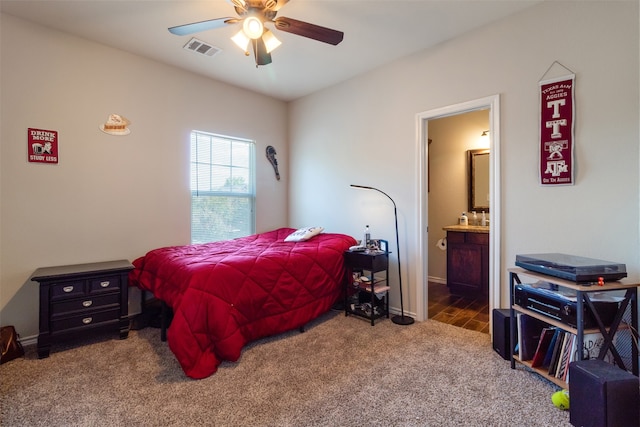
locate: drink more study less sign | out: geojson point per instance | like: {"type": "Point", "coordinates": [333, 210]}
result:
{"type": "Point", "coordinates": [42, 146]}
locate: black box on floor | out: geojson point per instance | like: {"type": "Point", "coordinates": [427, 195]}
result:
{"type": "Point", "coordinates": [602, 395]}
{"type": "Point", "coordinates": [501, 331]}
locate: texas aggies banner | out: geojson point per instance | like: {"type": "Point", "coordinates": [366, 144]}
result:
{"type": "Point", "coordinates": [557, 115]}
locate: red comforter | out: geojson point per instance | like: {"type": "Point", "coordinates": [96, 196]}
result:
{"type": "Point", "coordinates": [226, 294]}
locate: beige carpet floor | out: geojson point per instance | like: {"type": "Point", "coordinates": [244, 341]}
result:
{"type": "Point", "coordinates": [340, 372]}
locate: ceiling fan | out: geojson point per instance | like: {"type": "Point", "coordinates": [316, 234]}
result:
{"type": "Point", "coordinates": [253, 14]}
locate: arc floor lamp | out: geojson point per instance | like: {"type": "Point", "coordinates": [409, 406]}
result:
{"type": "Point", "coordinates": [397, 319]}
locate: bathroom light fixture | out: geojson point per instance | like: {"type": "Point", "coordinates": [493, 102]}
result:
{"type": "Point", "coordinates": [401, 319]}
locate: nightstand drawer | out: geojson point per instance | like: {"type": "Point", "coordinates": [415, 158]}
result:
{"type": "Point", "coordinates": [88, 303]}
{"type": "Point", "coordinates": [85, 320]}
{"type": "Point", "coordinates": [373, 262]}
{"type": "Point", "coordinates": [66, 290]}
{"type": "Point", "coordinates": [104, 284]}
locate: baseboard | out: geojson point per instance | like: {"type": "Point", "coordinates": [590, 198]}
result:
{"type": "Point", "coordinates": [28, 341]}
{"type": "Point", "coordinates": [398, 312]}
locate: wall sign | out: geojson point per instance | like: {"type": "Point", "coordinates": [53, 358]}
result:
{"type": "Point", "coordinates": [42, 146]}
{"type": "Point", "coordinates": [557, 112]}
{"type": "Point", "coordinates": [116, 125]}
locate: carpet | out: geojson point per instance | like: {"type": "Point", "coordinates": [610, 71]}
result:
{"type": "Point", "coordinates": [340, 371]}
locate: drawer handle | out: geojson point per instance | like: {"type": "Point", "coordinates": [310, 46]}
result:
{"type": "Point", "coordinates": [68, 289]}
{"type": "Point", "coordinates": [87, 303]}
{"type": "Point", "coordinates": [105, 284]}
{"type": "Point", "coordinates": [87, 320]}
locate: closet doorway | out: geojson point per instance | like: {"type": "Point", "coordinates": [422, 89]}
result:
{"type": "Point", "coordinates": [490, 106]}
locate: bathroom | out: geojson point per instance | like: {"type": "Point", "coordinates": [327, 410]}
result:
{"type": "Point", "coordinates": [450, 141]}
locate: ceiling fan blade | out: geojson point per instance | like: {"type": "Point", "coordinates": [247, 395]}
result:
{"type": "Point", "coordinates": [260, 52]}
{"type": "Point", "coordinates": [196, 27]}
{"type": "Point", "coordinates": [312, 31]}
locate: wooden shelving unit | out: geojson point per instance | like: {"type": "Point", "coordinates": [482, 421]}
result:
{"type": "Point", "coordinates": [583, 303]}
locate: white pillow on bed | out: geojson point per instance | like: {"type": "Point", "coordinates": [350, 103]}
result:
{"type": "Point", "coordinates": [302, 234]}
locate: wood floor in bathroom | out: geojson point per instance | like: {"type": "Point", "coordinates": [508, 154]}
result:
{"type": "Point", "coordinates": [465, 312]}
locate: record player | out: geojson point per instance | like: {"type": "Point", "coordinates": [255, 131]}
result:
{"type": "Point", "coordinates": [574, 268]}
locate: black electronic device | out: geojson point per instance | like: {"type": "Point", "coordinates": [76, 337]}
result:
{"type": "Point", "coordinates": [501, 332]}
{"type": "Point", "coordinates": [574, 268]}
{"type": "Point", "coordinates": [602, 395]}
{"type": "Point", "coordinates": [545, 299]}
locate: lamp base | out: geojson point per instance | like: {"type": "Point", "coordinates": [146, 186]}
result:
{"type": "Point", "coordinates": [402, 320]}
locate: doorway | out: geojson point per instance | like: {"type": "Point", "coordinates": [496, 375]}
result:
{"type": "Point", "coordinates": [492, 105]}
{"type": "Point", "coordinates": [455, 141]}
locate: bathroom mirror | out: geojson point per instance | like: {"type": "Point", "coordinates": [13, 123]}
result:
{"type": "Point", "coordinates": [478, 180]}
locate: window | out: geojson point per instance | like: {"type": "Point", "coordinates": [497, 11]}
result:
{"type": "Point", "coordinates": [222, 187]}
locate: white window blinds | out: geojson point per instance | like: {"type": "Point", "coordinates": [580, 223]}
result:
{"type": "Point", "coordinates": [222, 187]}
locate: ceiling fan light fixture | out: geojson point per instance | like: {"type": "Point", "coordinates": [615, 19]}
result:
{"type": "Point", "coordinates": [252, 27]}
{"type": "Point", "coordinates": [252, 15]}
{"type": "Point", "coordinates": [270, 41]}
{"type": "Point", "coordinates": [241, 40]}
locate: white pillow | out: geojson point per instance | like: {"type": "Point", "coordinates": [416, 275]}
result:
{"type": "Point", "coordinates": [302, 234]}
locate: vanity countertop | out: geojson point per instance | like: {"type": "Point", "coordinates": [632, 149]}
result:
{"type": "Point", "coordinates": [467, 228]}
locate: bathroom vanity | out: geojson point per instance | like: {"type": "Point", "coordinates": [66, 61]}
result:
{"type": "Point", "coordinates": [468, 260]}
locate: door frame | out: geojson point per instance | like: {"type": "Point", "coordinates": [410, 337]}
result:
{"type": "Point", "coordinates": [492, 103]}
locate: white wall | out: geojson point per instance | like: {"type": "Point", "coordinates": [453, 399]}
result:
{"type": "Point", "coordinates": [364, 131]}
{"type": "Point", "coordinates": [112, 197]}
{"type": "Point", "coordinates": [109, 197]}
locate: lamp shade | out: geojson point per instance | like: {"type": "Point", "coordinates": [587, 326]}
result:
{"type": "Point", "coordinates": [241, 40]}
{"type": "Point", "coordinates": [270, 41]}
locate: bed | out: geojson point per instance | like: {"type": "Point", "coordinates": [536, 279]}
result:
{"type": "Point", "coordinates": [226, 294]}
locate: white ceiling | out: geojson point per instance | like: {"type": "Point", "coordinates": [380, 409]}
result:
{"type": "Point", "coordinates": [376, 32]}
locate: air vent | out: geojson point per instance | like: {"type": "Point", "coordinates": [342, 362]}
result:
{"type": "Point", "coordinates": [198, 46]}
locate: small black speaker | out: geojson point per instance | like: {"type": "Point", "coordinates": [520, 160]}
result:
{"type": "Point", "coordinates": [501, 328]}
{"type": "Point", "coordinates": [602, 395]}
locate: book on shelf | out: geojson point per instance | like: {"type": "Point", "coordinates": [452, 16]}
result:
{"type": "Point", "coordinates": [573, 356]}
{"type": "Point", "coordinates": [518, 347]}
{"type": "Point", "coordinates": [549, 355]}
{"type": "Point", "coordinates": [563, 361]}
{"type": "Point", "coordinates": [530, 331]}
{"type": "Point", "coordinates": [539, 356]}
{"type": "Point", "coordinates": [553, 365]}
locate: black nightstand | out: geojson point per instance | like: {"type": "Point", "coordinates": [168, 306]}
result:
{"type": "Point", "coordinates": [369, 297]}
{"type": "Point", "coordinates": [75, 299]}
